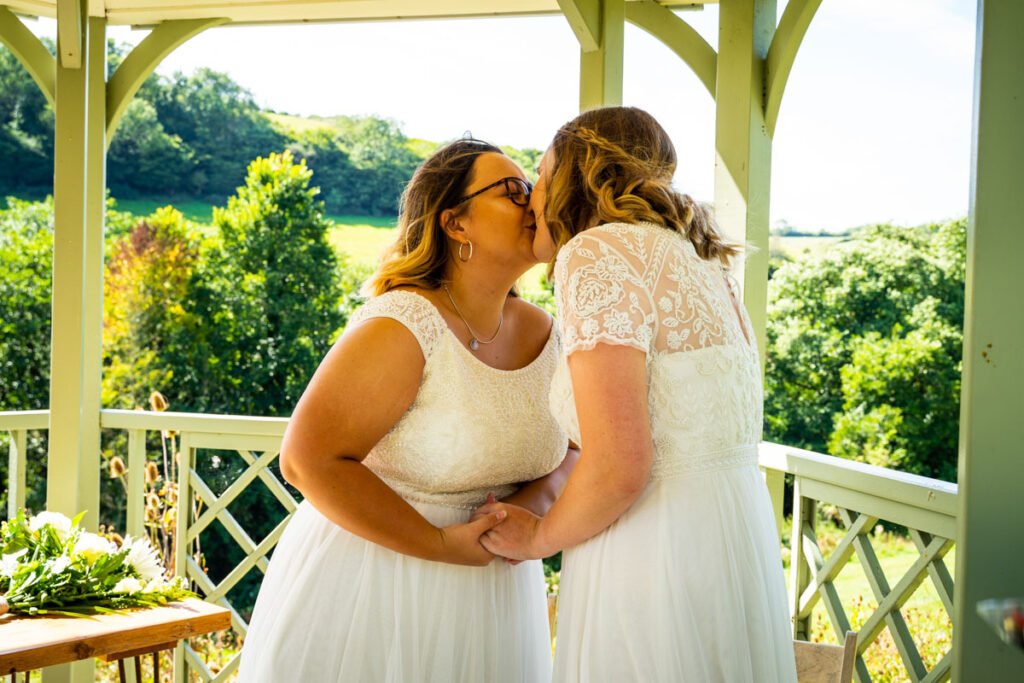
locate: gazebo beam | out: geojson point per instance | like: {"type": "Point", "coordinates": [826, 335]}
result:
{"type": "Point", "coordinates": [71, 18]}
{"type": "Point", "coordinates": [142, 60]}
{"type": "Point", "coordinates": [678, 36]}
{"type": "Point", "coordinates": [796, 18]}
{"type": "Point", "coordinates": [743, 145]}
{"type": "Point", "coordinates": [601, 68]}
{"type": "Point", "coordinates": [990, 553]}
{"type": "Point", "coordinates": [30, 51]}
{"type": "Point", "coordinates": [585, 21]}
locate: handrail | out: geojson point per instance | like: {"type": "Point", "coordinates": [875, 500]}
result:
{"type": "Point", "coordinates": [12, 420]}
{"type": "Point", "coordinates": [206, 423]}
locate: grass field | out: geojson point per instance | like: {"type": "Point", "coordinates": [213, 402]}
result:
{"type": "Point", "coordinates": [798, 247]}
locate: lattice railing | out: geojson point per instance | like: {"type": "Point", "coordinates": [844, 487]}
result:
{"type": "Point", "coordinates": [864, 495]}
{"type": "Point", "coordinates": [205, 442]}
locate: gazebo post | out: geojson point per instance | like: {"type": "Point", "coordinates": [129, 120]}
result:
{"type": "Point", "coordinates": [743, 146]}
{"type": "Point", "coordinates": [990, 547]}
{"type": "Point", "coordinates": [599, 26]}
{"type": "Point", "coordinates": [72, 483]}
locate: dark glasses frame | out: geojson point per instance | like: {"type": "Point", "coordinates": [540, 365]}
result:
{"type": "Point", "coordinates": [508, 189]}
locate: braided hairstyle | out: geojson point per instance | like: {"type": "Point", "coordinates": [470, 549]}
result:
{"type": "Point", "coordinates": [615, 165]}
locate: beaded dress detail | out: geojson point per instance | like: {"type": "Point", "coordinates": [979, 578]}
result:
{"type": "Point", "coordinates": [336, 607]}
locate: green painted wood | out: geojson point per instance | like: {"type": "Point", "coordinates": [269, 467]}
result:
{"type": "Point", "coordinates": [833, 605]}
{"type": "Point", "coordinates": [908, 489]}
{"type": "Point", "coordinates": [63, 493]}
{"type": "Point", "coordinates": [678, 36]}
{"type": "Point", "coordinates": [796, 18]}
{"type": "Point", "coordinates": [942, 671]}
{"type": "Point", "coordinates": [143, 59]}
{"type": "Point", "coordinates": [584, 19]}
{"type": "Point", "coordinates": [24, 419]}
{"type": "Point", "coordinates": [197, 424]}
{"type": "Point", "coordinates": [937, 571]}
{"type": "Point", "coordinates": [71, 34]}
{"type": "Point", "coordinates": [601, 69]}
{"type": "Point", "coordinates": [30, 51]}
{"type": "Point", "coordinates": [879, 584]}
{"type": "Point", "coordinates": [743, 146]}
{"type": "Point", "coordinates": [215, 504]}
{"type": "Point", "coordinates": [182, 554]}
{"type": "Point", "coordinates": [884, 507]}
{"type": "Point", "coordinates": [836, 562]}
{"type": "Point", "coordinates": [136, 522]}
{"type": "Point", "coordinates": [15, 472]}
{"type": "Point", "coordinates": [804, 511]}
{"type": "Point", "coordinates": [992, 403]}
{"type": "Point", "coordinates": [92, 268]}
{"type": "Point", "coordinates": [273, 483]}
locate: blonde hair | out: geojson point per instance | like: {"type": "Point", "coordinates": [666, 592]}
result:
{"type": "Point", "coordinates": [420, 254]}
{"type": "Point", "coordinates": [615, 164]}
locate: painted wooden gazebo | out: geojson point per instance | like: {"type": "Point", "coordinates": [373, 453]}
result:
{"type": "Point", "coordinates": [746, 77]}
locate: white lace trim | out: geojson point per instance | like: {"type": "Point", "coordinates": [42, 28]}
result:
{"type": "Point", "coordinates": [415, 312]}
{"type": "Point", "coordinates": [713, 461]}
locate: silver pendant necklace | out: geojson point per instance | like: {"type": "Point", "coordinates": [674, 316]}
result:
{"type": "Point", "coordinates": [474, 341]}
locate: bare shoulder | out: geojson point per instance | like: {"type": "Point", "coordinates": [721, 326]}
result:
{"type": "Point", "coordinates": [533, 321]}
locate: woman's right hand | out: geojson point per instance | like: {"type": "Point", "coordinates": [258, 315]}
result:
{"type": "Point", "coordinates": [461, 542]}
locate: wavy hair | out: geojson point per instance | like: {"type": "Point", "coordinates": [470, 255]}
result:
{"type": "Point", "coordinates": [420, 254]}
{"type": "Point", "coordinates": [615, 164]}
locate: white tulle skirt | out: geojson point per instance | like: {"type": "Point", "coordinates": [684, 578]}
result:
{"type": "Point", "coordinates": [686, 587]}
{"type": "Point", "coordinates": [334, 607]}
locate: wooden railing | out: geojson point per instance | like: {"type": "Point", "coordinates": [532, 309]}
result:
{"type": "Point", "coordinates": [863, 494]}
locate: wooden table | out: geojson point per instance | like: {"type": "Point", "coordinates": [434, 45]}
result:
{"type": "Point", "coordinates": [29, 643]}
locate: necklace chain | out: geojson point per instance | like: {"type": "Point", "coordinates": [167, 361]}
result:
{"type": "Point", "coordinates": [474, 340]}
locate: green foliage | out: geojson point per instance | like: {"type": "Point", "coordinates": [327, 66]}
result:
{"type": "Point", "coordinates": [26, 258]}
{"type": "Point", "coordinates": [868, 366]}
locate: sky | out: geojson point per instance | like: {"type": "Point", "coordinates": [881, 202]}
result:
{"type": "Point", "coordinates": [875, 124]}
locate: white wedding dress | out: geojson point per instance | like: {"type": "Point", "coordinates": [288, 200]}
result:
{"type": "Point", "coordinates": [687, 585]}
{"type": "Point", "coordinates": [334, 607]}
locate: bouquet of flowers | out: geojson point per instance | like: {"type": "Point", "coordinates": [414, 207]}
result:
{"type": "Point", "coordinates": [50, 565]}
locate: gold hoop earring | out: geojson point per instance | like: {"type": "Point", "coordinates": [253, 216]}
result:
{"type": "Point", "coordinates": [462, 257]}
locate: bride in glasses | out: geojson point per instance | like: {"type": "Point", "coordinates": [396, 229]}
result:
{"type": "Point", "coordinates": [434, 398]}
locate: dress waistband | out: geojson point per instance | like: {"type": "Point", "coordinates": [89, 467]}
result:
{"type": "Point", "coordinates": [709, 461]}
{"type": "Point", "coordinates": [462, 500]}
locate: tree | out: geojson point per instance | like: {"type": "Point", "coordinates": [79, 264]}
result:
{"type": "Point", "coordinates": [855, 333]}
{"type": "Point", "coordinates": [218, 120]}
{"type": "Point", "coordinates": [279, 283]}
{"type": "Point", "coordinates": [143, 158]}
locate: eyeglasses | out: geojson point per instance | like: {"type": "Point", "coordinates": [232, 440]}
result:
{"type": "Point", "coordinates": [516, 189]}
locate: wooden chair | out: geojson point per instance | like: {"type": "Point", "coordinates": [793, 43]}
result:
{"type": "Point", "coordinates": [821, 663]}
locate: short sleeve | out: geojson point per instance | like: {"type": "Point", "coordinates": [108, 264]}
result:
{"type": "Point", "coordinates": [601, 296]}
{"type": "Point", "coordinates": [414, 312]}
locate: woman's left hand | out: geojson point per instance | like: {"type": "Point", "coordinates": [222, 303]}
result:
{"type": "Point", "coordinates": [515, 538]}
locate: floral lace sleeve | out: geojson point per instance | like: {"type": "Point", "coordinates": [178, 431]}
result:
{"type": "Point", "coordinates": [601, 295]}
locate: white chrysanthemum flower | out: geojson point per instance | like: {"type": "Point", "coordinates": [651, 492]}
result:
{"type": "Point", "coordinates": [157, 585]}
{"type": "Point", "coordinates": [128, 585]}
{"type": "Point", "coordinates": [60, 523]}
{"type": "Point", "coordinates": [9, 563]}
{"type": "Point", "coordinates": [142, 556]}
{"type": "Point", "coordinates": [58, 564]}
{"type": "Point", "coordinates": [92, 546]}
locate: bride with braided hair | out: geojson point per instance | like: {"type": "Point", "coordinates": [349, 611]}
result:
{"type": "Point", "coordinates": [671, 569]}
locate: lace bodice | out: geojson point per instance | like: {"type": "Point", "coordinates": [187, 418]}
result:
{"type": "Point", "coordinates": [645, 286]}
{"type": "Point", "coordinates": [472, 429]}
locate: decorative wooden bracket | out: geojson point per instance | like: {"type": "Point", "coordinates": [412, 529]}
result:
{"type": "Point", "coordinates": [32, 54]}
{"type": "Point", "coordinates": [679, 37]}
{"type": "Point", "coordinates": [782, 53]}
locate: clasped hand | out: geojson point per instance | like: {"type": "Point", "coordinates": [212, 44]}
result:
{"type": "Point", "coordinates": [512, 538]}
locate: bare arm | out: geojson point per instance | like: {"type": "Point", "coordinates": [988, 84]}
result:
{"type": "Point", "coordinates": [362, 388]}
{"type": "Point", "coordinates": [610, 386]}
{"type": "Point", "coordinates": [539, 495]}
